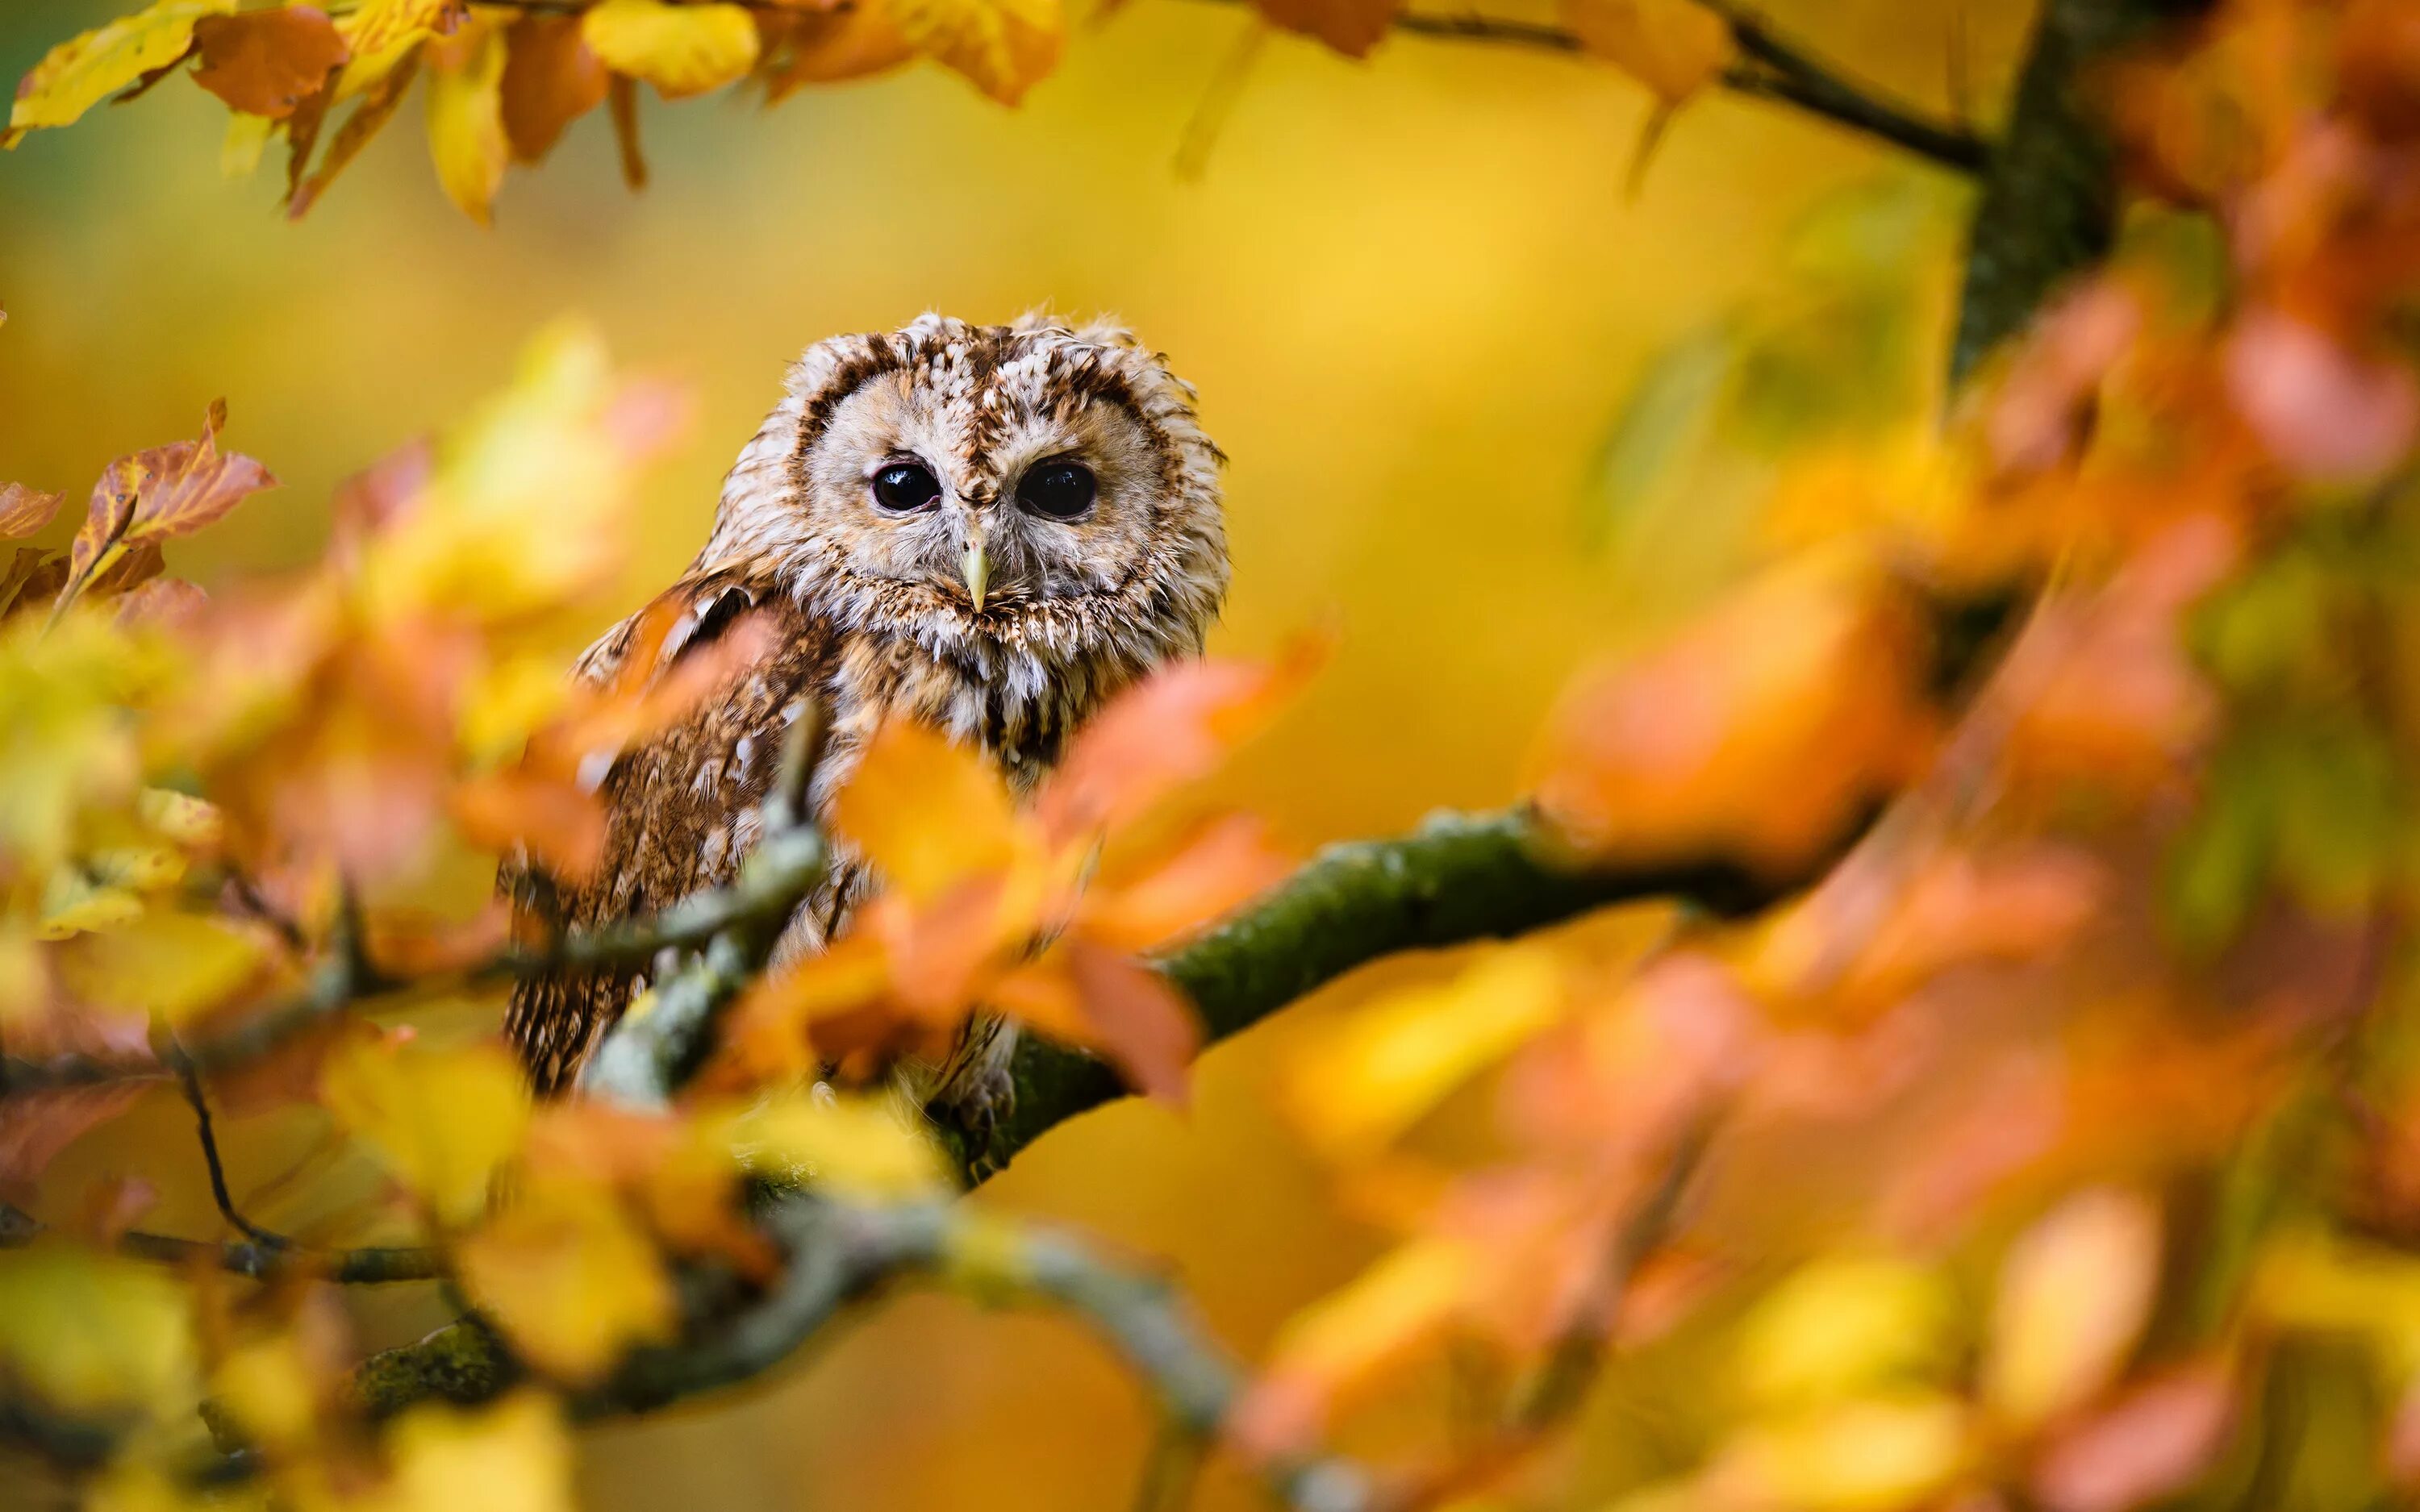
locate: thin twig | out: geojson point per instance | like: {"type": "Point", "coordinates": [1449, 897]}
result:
{"type": "Point", "coordinates": [208, 1136]}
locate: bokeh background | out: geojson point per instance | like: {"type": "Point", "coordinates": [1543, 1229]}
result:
{"type": "Point", "coordinates": [1413, 292]}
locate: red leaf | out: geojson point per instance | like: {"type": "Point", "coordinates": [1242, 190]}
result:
{"type": "Point", "coordinates": [166, 491]}
{"type": "Point", "coordinates": [267, 62]}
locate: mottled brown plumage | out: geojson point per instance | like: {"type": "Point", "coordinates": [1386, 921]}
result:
{"type": "Point", "coordinates": [988, 609]}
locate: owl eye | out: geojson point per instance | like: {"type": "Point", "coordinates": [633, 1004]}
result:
{"type": "Point", "coordinates": [1057, 490]}
{"type": "Point", "coordinates": [906, 486]}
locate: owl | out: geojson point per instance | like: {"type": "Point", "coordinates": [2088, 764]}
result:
{"type": "Point", "coordinates": [991, 530]}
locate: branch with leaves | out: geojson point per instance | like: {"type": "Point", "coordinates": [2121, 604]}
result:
{"type": "Point", "coordinates": [505, 78]}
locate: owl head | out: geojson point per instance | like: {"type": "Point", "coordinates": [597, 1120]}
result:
{"type": "Point", "coordinates": [1018, 499]}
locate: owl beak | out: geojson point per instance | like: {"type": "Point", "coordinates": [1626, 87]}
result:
{"type": "Point", "coordinates": [976, 566]}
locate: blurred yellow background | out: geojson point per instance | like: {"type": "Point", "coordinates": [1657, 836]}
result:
{"type": "Point", "coordinates": [1412, 293]}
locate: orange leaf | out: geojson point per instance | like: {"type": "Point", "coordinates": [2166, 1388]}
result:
{"type": "Point", "coordinates": [927, 814]}
{"type": "Point", "coordinates": [1762, 731]}
{"type": "Point", "coordinates": [1228, 863]}
{"type": "Point", "coordinates": [1165, 732]}
{"type": "Point", "coordinates": [166, 491]}
{"type": "Point", "coordinates": [1110, 1003]}
{"type": "Point", "coordinates": [827, 47]}
{"type": "Point", "coordinates": [552, 79]}
{"type": "Point", "coordinates": [266, 62]}
{"type": "Point", "coordinates": [24, 510]}
{"type": "Point", "coordinates": [561, 828]}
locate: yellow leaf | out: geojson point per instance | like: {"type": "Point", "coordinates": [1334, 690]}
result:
{"type": "Point", "coordinates": [1857, 1456]}
{"type": "Point", "coordinates": [856, 1146]}
{"type": "Point", "coordinates": [513, 1457]}
{"type": "Point", "coordinates": [568, 1277]}
{"type": "Point", "coordinates": [681, 49]}
{"type": "Point", "coordinates": [1843, 1326]}
{"type": "Point", "coordinates": [380, 33]}
{"type": "Point", "coordinates": [64, 693]}
{"type": "Point", "coordinates": [2075, 1290]}
{"type": "Point", "coordinates": [1366, 1079]}
{"type": "Point", "coordinates": [1674, 47]}
{"type": "Point", "coordinates": [80, 73]}
{"type": "Point", "coordinates": [441, 1119]}
{"type": "Point", "coordinates": [1003, 46]}
{"type": "Point", "coordinates": [927, 814]}
{"type": "Point", "coordinates": [90, 1331]}
{"type": "Point", "coordinates": [165, 964]}
{"type": "Point", "coordinates": [466, 119]}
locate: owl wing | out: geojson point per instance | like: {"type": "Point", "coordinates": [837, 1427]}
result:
{"type": "Point", "coordinates": [680, 803]}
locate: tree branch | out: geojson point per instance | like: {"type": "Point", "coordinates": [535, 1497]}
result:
{"type": "Point", "coordinates": [1456, 879]}
{"type": "Point", "coordinates": [255, 1260]}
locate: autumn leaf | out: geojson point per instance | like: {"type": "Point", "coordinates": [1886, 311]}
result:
{"type": "Point", "coordinates": [859, 1146]}
{"type": "Point", "coordinates": [264, 63]}
{"type": "Point", "coordinates": [1170, 728]}
{"type": "Point", "coordinates": [552, 78]}
{"type": "Point", "coordinates": [926, 812]}
{"type": "Point", "coordinates": [1361, 1081]}
{"type": "Point", "coordinates": [1845, 1326]}
{"type": "Point", "coordinates": [1759, 731]}
{"type": "Point", "coordinates": [441, 1119]}
{"type": "Point", "coordinates": [1347, 1336]}
{"type": "Point", "coordinates": [513, 1456]}
{"type": "Point", "coordinates": [1086, 995]}
{"type": "Point", "coordinates": [380, 100]}
{"type": "Point", "coordinates": [830, 46]}
{"type": "Point", "coordinates": [35, 1126]}
{"type": "Point", "coordinates": [152, 496]}
{"type": "Point", "coordinates": [81, 73]}
{"type": "Point", "coordinates": [1674, 47]}
{"type": "Point", "coordinates": [2075, 1292]}
{"type": "Point", "coordinates": [1003, 46]}
{"type": "Point", "coordinates": [1847, 1457]}
{"type": "Point", "coordinates": [1353, 27]}
{"type": "Point", "coordinates": [567, 1277]}
{"type": "Point", "coordinates": [23, 510]}
{"type": "Point", "coordinates": [89, 1331]}
{"type": "Point", "coordinates": [167, 964]}
{"type": "Point", "coordinates": [1221, 867]}
{"type": "Point", "coordinates": [466, 125]}
{"type": "Point", "coordinates": [2151, 1443]}
{"type": "Point", "coordinates": [682, 50]}
{"type": "Point", "coordinates": [381, 33]}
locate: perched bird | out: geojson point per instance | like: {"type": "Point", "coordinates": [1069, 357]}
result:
{"type": "Point", "coordinates": [987, 529]}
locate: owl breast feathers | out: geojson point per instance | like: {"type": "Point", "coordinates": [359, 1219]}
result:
{"type": "Point", "coordinates": [987, 529]}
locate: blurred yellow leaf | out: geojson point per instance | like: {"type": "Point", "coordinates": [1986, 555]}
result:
{"type": "Point", "coordinates": [1843, 1327]}
{"type": "Point", "coordinates": [2320, 1284]}
{"type": "Point", "coordinates": [90, 1331]}
{"type": "Point", "coordinates": [860, 1146]}
{"type": "Point", "coordinates": [1342, 1339]}
{"type": "Point", "coordinates": [63, 695]}
{"type": "Point", "coordinates": [927, 814]}
{"type": "Point", "coordinates": [1003, 46]}
{"type": "Point", "coordinates": [1674, 47]}
{"type": "Point", "coordinates": [1360, 1081]}
{"type": "Point", "coordinates": [681, 49]}
{"type": "Point", "coordinates": [513, 1457]}
{"type": "Point", "coordinates": [1856, 1457]}
{"type": "Point", "coordinates": [380, 33]}
{"type": "Point", "coordinates": [466, 121]}
{"type": "Point", "coordinates": [2075, 1290]}
{"type": "Point", "coordinates": [164, 963]}
{"type": "Point", "coordinates": [568, 1277]}
{"type": "Point", "coordinates": [269, 1387]}
{"type": "Point", "coordinates": [83, 71]}
{"type": "Point", "coordinates": [441, 1120]}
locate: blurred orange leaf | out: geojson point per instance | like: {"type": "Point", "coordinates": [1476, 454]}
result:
{"type": "Point", "coordinates": [1226, 864]}
{"type": "Point", "coordinates": [1353, 27]}
{"type": "Point", "coordinates": [1097, 998]}
{"type": "Point", "coordinates": [927, 814]}
{"type": "Point", "coordinates": [1762, 731]}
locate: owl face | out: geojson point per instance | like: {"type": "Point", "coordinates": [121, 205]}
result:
{"type": "Point", "coordinates": [1027, 493]}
